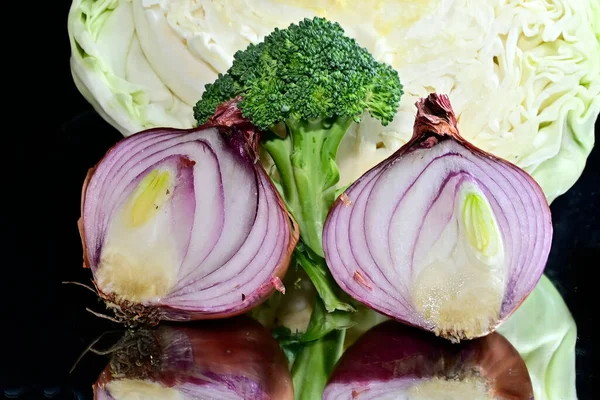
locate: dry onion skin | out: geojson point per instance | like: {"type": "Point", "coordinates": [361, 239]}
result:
{"type": "Point", "coordinates": [395, 361]}
{"type": "Point", "coordinates": [185, 224]}
{"type": "Point", "coordinates": [440, 235]}
{"type": "Point", "coordinates": [231, 359]}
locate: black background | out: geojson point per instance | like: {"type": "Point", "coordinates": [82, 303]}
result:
{"type": "Point", "coordinates": [44, 324]}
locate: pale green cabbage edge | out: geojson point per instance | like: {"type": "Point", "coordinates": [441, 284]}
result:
{"type": "Point", "coordinates": [544, 332]}
{"type": "Point", "coordinates": [126, 105]}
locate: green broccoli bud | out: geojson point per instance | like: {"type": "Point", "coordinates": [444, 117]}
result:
{"type": "Point", "coordinates": [307, 71]}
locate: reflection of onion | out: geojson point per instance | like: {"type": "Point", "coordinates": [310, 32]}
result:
{"type": "Point", "coordinates": [396, 361]}
{"type": "Point", "coordinates": [185, 224]}
{"type": "Point", "coordinates": [441, 235]}
{"type": "Point", "coordinates": [227, 359]}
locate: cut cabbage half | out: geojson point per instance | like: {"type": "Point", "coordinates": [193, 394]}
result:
{"type": "Point", "coordinates": [523, 76]}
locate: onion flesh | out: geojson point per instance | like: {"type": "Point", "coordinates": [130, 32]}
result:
{"type": "Point", "coordinates": [440, 235]}
{"type": "Point", "coordinates": [396, 361]}
{"type": "Point", "coordinates": [227, 359]}
{"type": "Point", "coordinates": [185, 224]}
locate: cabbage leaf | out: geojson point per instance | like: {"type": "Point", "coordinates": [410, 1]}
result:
{"type": "Point", "coordinates": [523, 76]}
{"type": "Point", "coordinates": [544, 332]}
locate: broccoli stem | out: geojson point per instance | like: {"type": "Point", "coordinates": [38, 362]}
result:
{"type": "Point", "coordinates": [308, 173]}
{"type": "Point", "coordinates": [280, 150]}
{"type": "Point", "coordinates": [315, 362]}
{"type": "Point", "coordinates": [321, 277]}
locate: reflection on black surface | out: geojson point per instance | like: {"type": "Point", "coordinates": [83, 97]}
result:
{"type": "Point", "coordinates": [235, 358]}
{"type": "Point", "coordinates": [229, 359]}
{"type": "Point", "coordinates": [392, 359]}
{"type": "Point", "coordinates": [35, 392]}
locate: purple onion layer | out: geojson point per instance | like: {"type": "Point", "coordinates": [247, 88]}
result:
{"type": "Point", "coordinates": [440, 235]}
{"type": "Point", "coordinates": [185, 224]}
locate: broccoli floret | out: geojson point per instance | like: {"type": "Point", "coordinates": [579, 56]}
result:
{"type": "Point", "coordinates": [316, 81]}
{"type": "Point", "coordinates": [305, 72]}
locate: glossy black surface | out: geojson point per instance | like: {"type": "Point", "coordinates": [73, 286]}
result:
{"type": "Point", "coordinates": [45, 326]}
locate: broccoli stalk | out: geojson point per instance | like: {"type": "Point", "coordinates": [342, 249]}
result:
{"type": "Point", "coordinates": [304, 86]}
{"type": "Point", "coordinates": [308, 174]}
{"type": "Point", "coordinates": [315, 81]}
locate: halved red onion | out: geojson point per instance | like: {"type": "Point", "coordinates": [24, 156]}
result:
{"type": "Point", "coordinates": [396, 361]}
{"type": "Point", "coordinates": [226, 359]}
{"type": "Point", "coordinates": [440, 235]}
{"type": "Point", "coordinates": [185, 224]}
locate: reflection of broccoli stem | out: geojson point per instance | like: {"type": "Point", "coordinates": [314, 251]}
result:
{"type": "Point", "coordinates": [316, 81]}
